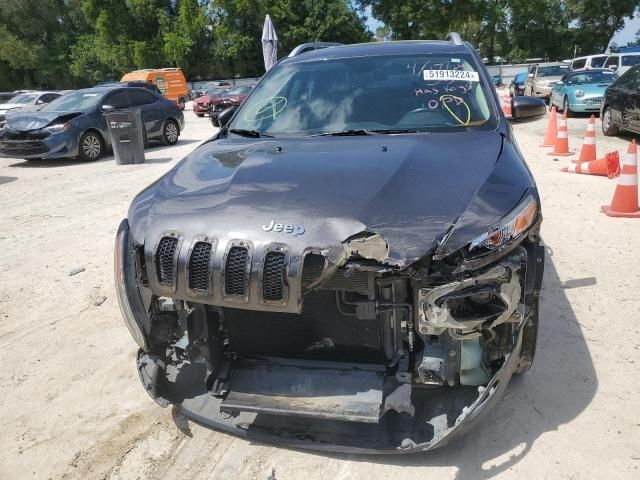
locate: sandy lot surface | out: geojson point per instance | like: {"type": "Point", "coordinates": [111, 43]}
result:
{"type": "Point", "coordinates": [72, 405]}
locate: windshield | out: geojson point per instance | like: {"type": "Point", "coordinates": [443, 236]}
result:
{"type": "Point", "coordinates": [217, 91]}
{"type": "Point", "coordinates": [24, 99]}
{"type": "Point", "coordinates": [418, 93]}
{"type": "Point", "coordinates": [598, 62]}
{"type": "Point", "coordinates": [74, 102]}
{"type": "Point", "coordinates": [553, 71]}
{"type": "Point", "coordinates": [629, 60]}
{"type": "Point", "coordinates": [239, 91]}
{"type": "Point", "coordinates": [592, 77]}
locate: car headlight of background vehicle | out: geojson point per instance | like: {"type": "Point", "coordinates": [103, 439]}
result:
{"type": "Point", "coordinates": [510, 227]}
{"type": "Point", "coordinates": [579, 93]}
{"type": "Point", "coordinates": [57, 128]}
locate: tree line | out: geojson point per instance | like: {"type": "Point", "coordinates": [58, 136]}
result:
{"type": "Point", "coordinates": [75, 43]}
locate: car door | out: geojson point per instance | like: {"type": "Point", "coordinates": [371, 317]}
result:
{"type": "Point", "coordinates": [557, 94]}
{"type": "Point", "coordinates": [632, 98]}
{"type": "Point", "coordinates": [148, 105]}
{"type": "Point", "coordinates": [117, 100]}
{"type": "Point", "coordinates": [528, 85]}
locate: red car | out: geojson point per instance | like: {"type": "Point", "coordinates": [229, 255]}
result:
{"type": "Point", "coordinates": [201, 104]}
{"type": "Point", "coordinates": [232, 98]}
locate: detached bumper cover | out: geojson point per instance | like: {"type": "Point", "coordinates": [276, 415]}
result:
{"type": "Point", "coordinates": [15, 144]}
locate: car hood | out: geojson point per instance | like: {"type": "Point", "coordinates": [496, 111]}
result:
{"type": "Point", "coordinates": [409, 189]}
{"type": "Point", "coordinates": [25, 121]}
{"type": "Point", "coordinates": [11, 106]}
{"type": "Point", "coordinates": [590, 88]}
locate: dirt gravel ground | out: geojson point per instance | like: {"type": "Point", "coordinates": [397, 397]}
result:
{"type": "Point", "coordinates": [72, 405]}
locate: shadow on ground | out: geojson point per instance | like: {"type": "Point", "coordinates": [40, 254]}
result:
{"type": "Point", "coordinates": [560, 385]}
{"type": "Point", "coordinates": [4, 180]}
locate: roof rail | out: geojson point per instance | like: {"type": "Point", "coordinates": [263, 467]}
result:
{"type": "Point", "coordinates": [307, 47]}
{"type": "Point", "coordinates": [455, 38]}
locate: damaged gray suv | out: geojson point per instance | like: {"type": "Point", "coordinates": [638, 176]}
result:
{"type": "Point", "coordinates": [352, 263]}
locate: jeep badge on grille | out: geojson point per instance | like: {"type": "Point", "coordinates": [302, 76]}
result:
{"type": "Point", "coordinates": [292, 229]}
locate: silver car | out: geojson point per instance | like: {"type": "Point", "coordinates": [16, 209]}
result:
{"type": "Point", "coordinates": [543, 77]}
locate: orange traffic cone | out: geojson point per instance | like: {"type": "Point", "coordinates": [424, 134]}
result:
{"type": "Point", "coordinates": [506, 106]}
{"type": "Point", "coordinates": [588, 151]}
{"type": "Point", "coordinates": [552, 130]}
{"type": "Point", "coordinates": [625, 197]}
{"type": "Point", "coordinates": [609, 166]}
{"type": "Point", "coordinates": [561, 148]}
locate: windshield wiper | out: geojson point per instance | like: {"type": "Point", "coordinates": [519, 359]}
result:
{"type": "Point", "coordinates": [249, 133]}
{"type": "Point", "coordinates": [345, 133]}
{"type": "Point", "coordinates": [395, 130]}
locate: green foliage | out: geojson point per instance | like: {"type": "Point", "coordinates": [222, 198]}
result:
{"type": "Point", "coordinates": [521, 29]}
{"type": "Point", "coordinates": [74, 43]}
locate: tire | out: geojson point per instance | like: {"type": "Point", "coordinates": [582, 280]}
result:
{"type": "Point", "coordinates": [608, 128]}
{"type": "Point", "coordinates": [90, 147]}
{"type": "Point", "coordinates": [565, 107]}
{"type": "Point", "coordinates": [170, 132]}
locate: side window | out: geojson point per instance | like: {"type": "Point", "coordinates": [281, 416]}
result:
{"type": "Point", "coordinates": [49, 97]}
{"type": "Point", "coordinates": [118, 100]}
{"type": "Point", "coordinates": [140, 97]}
{"type": "Point", "coordinates": [612, 61]}
{"type": "Point", "coordinates": [628, 81]}
{"type": "Point", "coordinates": [579, 63]}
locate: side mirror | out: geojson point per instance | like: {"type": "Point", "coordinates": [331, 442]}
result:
{"type": "Point", "coordinates": [559, 82]}
{"type": "Point", "coordinates": [523, 108]}
{"type": "Point", "coordinates": [39, 102]}
{"type": "Point", "coordinates": [225, 115]}
{"type": "Point", "coordinates": [107, 108]}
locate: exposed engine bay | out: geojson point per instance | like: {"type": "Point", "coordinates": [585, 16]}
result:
{"type": "Point", "coordinates": [337, 347]}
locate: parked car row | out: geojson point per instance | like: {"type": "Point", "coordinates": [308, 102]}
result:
{"type": "Point", "coordinates": [28, 100]}
{"type": "Point", "coordinates": [74, 125]}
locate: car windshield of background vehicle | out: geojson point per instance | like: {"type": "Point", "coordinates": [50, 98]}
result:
{"type": "Point", "coordinates": [372, 94]}
{"type": "Point", "coordinates": [553, 71]}
{"type": "Point", "coordinates": [24, 99]}
{"type": "Point", "coordinates": [598, 62]}
{"type": "Point", "coordinates": [216, 91]}
{"type": "Point", "coordinates": [630, 60]}
{"type": "Point", "coordinates": [73, 102]}
{"type": "Point", "coordinates": [592, 77]}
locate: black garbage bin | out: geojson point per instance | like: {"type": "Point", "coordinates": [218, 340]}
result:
{"type": "Point", "coordinates": [127, 139]}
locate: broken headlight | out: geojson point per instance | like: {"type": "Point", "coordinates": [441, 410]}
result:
{"type": "Point", "coordinates": [510, 227]}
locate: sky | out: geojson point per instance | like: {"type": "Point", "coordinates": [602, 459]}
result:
{"type": "Point", "coordinates": [622, 37]}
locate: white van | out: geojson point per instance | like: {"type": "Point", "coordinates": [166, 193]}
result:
{"type": "Point", "coordinates": [621, 62]}
{"type": "Point", "coordinates": [588, 62]}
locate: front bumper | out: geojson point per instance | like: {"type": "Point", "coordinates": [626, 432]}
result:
{"type": "Point", "coordinates": [15, 144]}
{"type": "Point", "coordinates": [440, 415]}
{"type": "Point", "coordinates": [542, 91]}
{"type": "Point", "coordinates": [586, 105]}
{"type": "Point", "coordinates": [200, 108]}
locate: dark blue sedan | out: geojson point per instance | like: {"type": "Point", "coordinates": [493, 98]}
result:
{"type": "Point", "coordinates": [74, 124]}
{"type": "Point", "coordinates": [516, 87]}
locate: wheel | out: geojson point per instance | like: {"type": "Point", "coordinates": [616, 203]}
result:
{"type": "Point", "coordinates": [565, 107]}
{"type": "Point", "coordinates": [90, 146]}
{"type": "Point", "coordinates": [170, 133]}
{"type": "Point", "coordinates": [608, 128]}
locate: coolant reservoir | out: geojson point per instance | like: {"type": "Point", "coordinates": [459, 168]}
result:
{"type": "Point", "coordinates": [471, 371]}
